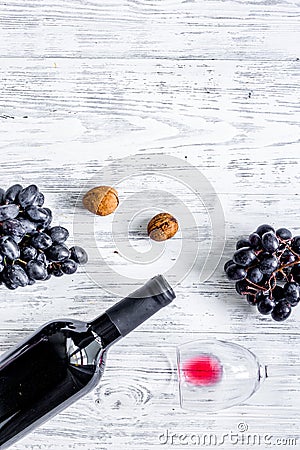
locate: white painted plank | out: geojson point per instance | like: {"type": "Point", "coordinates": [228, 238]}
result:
{"type": "Point", "coordinates": [154, 29]}
{"type": "Point", "coordinates": [237, 122]}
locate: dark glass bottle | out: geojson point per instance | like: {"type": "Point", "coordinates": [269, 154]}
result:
{"type": "Point", "coordinates": [64, 360]}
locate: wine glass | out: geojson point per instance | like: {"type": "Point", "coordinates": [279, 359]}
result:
{"type": "Point", "coordinates": [215, 374]}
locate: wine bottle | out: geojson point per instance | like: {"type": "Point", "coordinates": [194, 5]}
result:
{"type": "Point", "coordinates": [64, 360]}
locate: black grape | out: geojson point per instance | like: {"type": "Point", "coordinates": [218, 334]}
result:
{"type": "Point", "coordinates": [58, 234]}
{"type": "Point", "coordinates": [278, 293]}
{"type": "Point", "coordinates": [8, 212]}
{"type": "Point", "coordinates": [296, 244]}
{"type": "Point", "coordinates": [262, 229]}
{"type": "Point", "coordinates": [78, 254]}
{"type": "Point", "coordinates": [241, 286]}
{"type": "Point", "coordinates": [69, 266]}
{"type": "Point", "coordinates": [269, 242]}
{"type": "Point", "coordinates": [9, 248]}
{"type": "Point", "coordinates": [255, 241]}
{"type": "Point", "coordinates": [244, 257]}
{"type": "Point", "coordinates": [235, 272]}
{"type": "Point", "coordinates": [30, 250]}
{"type": "Point", "coordinates": [37, 214]}
{"type": "Point", "coordinates": [15, 275]}
{"type": "Point", "coordinates": [281, 311]}
{"type": "Point", "coordinates": [268, 264]}
{"type": "Point", "coordinates": [2, 195]}
{"type": "Point", "coordinates": [228, 263]}
{"type": "Point", "coordinates": [265, 305]}
{"type": "Point", "coordinates": [39, 200]}
{"type": "Point", "coordinates": [41, 241]}
{"type": "Point", "coordinates": [42, 258]}
{"type": "Point", "coordinates": [12, 193]}
{"type": "Point", "coordinates": [287, 257]}
{"type": "Point", "coordinates": [58, 252]}
{"type": "Point", "coordinates": [14, 229]}
{"type": "Point", "coordinates": [266, 270]}
{"type": "Point", "coordinates": [284, 234]}
{"type": "Point", "coordinates": [291, 292]}
{"type": "Point", "coordinates": [36, 270]}
{"type": "Point", "coordinates": [28, 253]}
{"type": "Point", "coordinates": [28, 195]}
{"type": "Point", "coordinates": [27, 224]}
{"type": "Point", "coordinates": [255, 275]}
{"type": "Point", "coordinates": [55, 270]}
{"type": "Point", "coordinates": [242, 243]}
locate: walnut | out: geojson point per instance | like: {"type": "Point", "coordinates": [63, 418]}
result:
{"type": "Point", "coordinates": [101, 200]}
{"type": "Point", "coordinates": [161, 227]}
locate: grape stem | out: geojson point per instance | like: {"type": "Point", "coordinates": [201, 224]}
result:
{"type": "Point", "coordinates": [21, 261]}
{"type": "Point", "coordinates": [292, 251]}
{"type": "Point", "coordinates": [269, 287]}
{"type": "Point", "coordinates": [256, 286]}
{"type": "Point", "coordinates": [288, 265]}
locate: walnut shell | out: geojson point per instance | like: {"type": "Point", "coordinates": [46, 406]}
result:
{"type": "Point", "coordinates": [101, 200]}
{"type": "Point", "coordinates": [161, 227]}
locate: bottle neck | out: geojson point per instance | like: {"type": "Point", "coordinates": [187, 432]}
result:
{"type": "Point", "coordinates": [106, 330]}
{"type": "Point", "coordinates": [132, 311]}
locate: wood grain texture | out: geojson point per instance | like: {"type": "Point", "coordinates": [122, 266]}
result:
{"type": "Point", "coordinates": [149, 29]}
{"type": "Point", "coordinates": [212, 83]}
{"type": "Point", "coordinates": [232, 108]}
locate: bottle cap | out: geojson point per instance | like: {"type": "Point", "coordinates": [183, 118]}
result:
{"type": "Point", "coordinates": [135, 309]}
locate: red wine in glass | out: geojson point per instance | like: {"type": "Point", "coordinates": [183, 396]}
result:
{"type": "Point", "coordinates": [203, 370]}
{"type": "Point", "coordinates": [214, 374]}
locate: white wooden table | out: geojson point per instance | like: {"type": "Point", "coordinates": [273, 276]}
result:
{"type": "Point", "coordinates": [214, 84]}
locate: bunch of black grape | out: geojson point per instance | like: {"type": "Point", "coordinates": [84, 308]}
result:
{"type": "Point", "coordinates": [266, 269]}
{"type": "Point", "coordinates": [30, 249]}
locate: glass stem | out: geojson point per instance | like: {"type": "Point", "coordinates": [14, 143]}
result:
{"type": "Point", "coordinates": [282, 371]}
